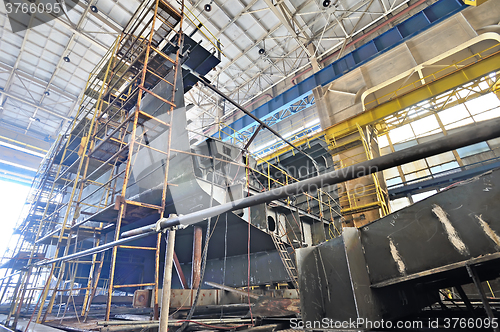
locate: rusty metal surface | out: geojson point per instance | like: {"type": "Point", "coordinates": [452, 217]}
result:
{"type": "Point", "coordinates": [142, 298]}
{"type": "Point", "coordinates": [273, 307]}
{"type": "Point", "coordinates": [183, 298]}
{"type": "Point", "coordinates": [196, 265]}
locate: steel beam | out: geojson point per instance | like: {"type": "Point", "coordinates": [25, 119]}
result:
{"type": "Point", "coordinates": [274, 132]}
{"type": "Point", "coordinates": [22, 100]}
{"type": "Point", "coordinates": [354, 59]}
{"type": "Point", "coordinates": [180, 273]}
{"type": "Point", "coordinates": [459, 77]}
{"type": "Point", "coordinates": [477, 282]}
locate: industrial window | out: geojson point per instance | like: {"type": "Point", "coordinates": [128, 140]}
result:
{"type": "Point", "coordinates": [473, 149]}
{"type": "Point", "coordinates": [444, 167]}
{"type": "Point", "coordinates": [425, 126]}
{"type": "Point", "coordinates": [394, 181]}
{"type": "Point", "coordinates": [482, 103]}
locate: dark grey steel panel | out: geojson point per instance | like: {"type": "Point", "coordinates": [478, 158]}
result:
{"type": "Point", "coordinates": [237, 239]}
{"type": "Point", "coordinates": [367, 305]}
{"type": "Point", "coordinates": [265, 268]}
{"type": "Point", "coordinates": [324, 282]}
{"type": "Point", "coordinates": [393, 267]}
{"type": "Point", "coordinates": [420, 241]}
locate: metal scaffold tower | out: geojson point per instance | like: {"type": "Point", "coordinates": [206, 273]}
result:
{"type": "Point", "coordinates": [82, 189]}
{"type": "Point", "coordinates": [362, 200]}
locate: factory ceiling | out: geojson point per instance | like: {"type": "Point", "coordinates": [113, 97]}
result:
{"type": "Point", "coordinates": [264, 44]}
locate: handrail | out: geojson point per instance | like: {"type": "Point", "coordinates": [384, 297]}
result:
{"type": "Point", "coordinates": [287, 176]}
{"type": "Point", "coordinates": [203, 25]}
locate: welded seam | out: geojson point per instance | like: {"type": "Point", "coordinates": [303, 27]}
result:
{"type": "Point", "coordinates": [488, 230]}
{"type": "Point", "coordinates": [397, 257]}
{"type": "Point", "coordinates": [452, 233]}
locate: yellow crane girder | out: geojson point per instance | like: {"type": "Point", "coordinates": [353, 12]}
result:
{"type": "Point", "coordinates": [459, 77]}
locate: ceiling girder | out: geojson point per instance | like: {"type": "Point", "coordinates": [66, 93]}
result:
{"type": "Point", "coordinates": [32, 104]}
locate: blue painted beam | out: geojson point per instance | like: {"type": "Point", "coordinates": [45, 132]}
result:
{"type": "Point", "coordinates": [405, 30]}
{"type": "Point", "coordinates": [441, 179]}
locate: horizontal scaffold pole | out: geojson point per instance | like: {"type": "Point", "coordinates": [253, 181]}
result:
{"type": "Point", "coordinates": [478, 133]}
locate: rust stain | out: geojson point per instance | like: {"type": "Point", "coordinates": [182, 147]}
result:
{"type": "Point", "coordinates": [273, 307]}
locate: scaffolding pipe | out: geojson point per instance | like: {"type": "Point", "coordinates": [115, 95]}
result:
{"type": "Point", "coordinates": [167, 281]}
{"type": "Point", "coordinates": [94, 250]}
{"type": "Point", "coordinates": [478, 133]}
{"type": "Point", "coordinates": [250, 114]}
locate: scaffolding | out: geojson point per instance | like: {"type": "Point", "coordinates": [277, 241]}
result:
{"type": "Point", "coordinates": [84, 195]}
{"type": "Point", "coordinates": [80, 191]}
{"type": "Point", "coordinates": [322, 204]}
{"type": "Point", "coordinates": [365, 199]}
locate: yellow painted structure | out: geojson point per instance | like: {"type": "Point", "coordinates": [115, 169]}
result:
{"type": "Point", "coordinates": [439, 82]}
{"type": "Point", "coordinates": [474, 2]}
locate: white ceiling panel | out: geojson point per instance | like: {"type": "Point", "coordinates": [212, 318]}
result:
{"type": "Point", "coordinates": [283, 28]}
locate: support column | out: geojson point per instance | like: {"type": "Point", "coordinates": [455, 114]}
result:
{"type": "Point", "coordinates": [196, 267]}
{"type": "Point", "coordinates": [466, 300]}
{"type": "Point", "coordinates": [477, 282]}
{"type": "Point", "coordinates": [167, 281]}
{"type": "Point", "coordinates": [321, 101]}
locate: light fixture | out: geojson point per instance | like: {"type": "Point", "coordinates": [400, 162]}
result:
{"type": "Point", "coordinates": [208, 7]}
{"type": "Point", "coordinates": [262, 51]}
{"type": "Point", "coordinates": [47, 93]}
{"type": "Point", "coordinates": [326, 3]}
{"type": "Point", "coordinates": [94, 9]}
{"type": "Point", "coordinates": [66, 59]}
